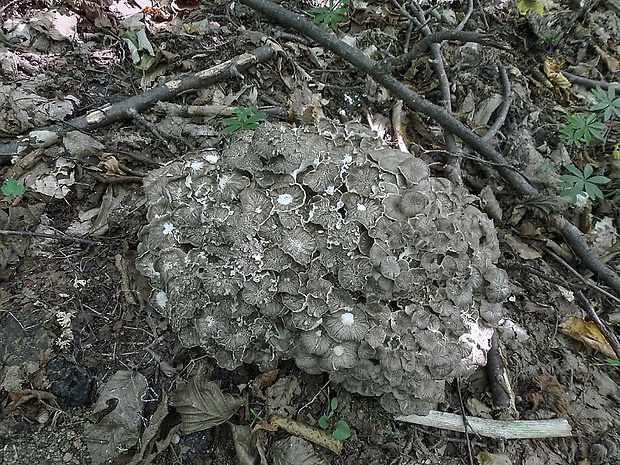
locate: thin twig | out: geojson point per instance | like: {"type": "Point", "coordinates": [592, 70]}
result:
{"type": "Point", "coordinates": [590, 83]}
{"type": "Point", "coordinates": [539, 273]}
{"type": "Point", "coordinates": [603, 328]}
{"type": "Point", "coordinates": [580, 277]}
{"type": "Point", "coordinates": [440, 36]}
{"type": "Point", "coordinates": [505, 106]}
{"type": "Point", "coordinates": [453, 165]}
{"type": "Point", "coordinates": [49, 236]}
{"type": "Point", "coordinates": [470, 10]}
{"type": "Point", "coordinates": [465, 424]}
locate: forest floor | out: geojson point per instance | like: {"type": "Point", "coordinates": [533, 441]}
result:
{"type": "Point", "coordinates": [75, 324]}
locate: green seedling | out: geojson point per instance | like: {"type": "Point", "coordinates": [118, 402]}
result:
{"type": "Point", "coordinates": [581, 183]}
{"type": "Point", "coordinates": [582, 129]}
{"type": "Point", "coordinates": [389, 431]}
{"type": "Point", "coordinates": [245, 119]}
{"type": "Point", "coordinates": [257, 417]}
{"type": "Point", "coordinates": [341, 428]}
{"type": "Point", "coordinates": [606, 102]}
{"type": "Point", "coordinates": [612, 362]}
{"type": "Point", "coordinates": [12, 187]}
{"type": "Point", "coordinates": [330, 17]}
{"type": "Point", "coordinates": [550, 40]}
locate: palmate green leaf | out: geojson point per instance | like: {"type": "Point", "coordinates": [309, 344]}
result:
{"type": "Point", "coordinates": [231, 129]}
{"type": "Point", "coordinates": [573, 191]}
{"type": "Point", "coordinates": [599, 179]}
{"type": "Point", "coordinates": [330, 16]}
{"type": "Point", "coordinates": [570, 179]}
{"type": "Point", "coordinates": [581, 182]}
{"type": "Point", "coordinates": [256, 117]}
{"type": "Point", "coordinates": [567, 134]}
{"type": "Point", "coordinates": [593, 191]}
{"type": "Point", "coordinates": [324, 422]}
{"type": "Point", "coordinates": [606, 101]}
{"type": "Point", "coordinates": [573, 169]}
{"type": "Point", "coordinates": [245, 119]}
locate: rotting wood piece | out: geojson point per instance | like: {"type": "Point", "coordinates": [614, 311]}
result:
{"type": "Point", "coordinates": [497, 429]}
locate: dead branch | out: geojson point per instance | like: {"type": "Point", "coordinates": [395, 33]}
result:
{"type": "Point", "coordinates": [589, 83]}
{"type": "Point", "coordinates": [45, 137]}
{"type": "Point", "coordinates": [453, 165]}
{"type": "Point", "coordinates": [504, 107]}
{"type": "Point", "coordinates": [498, 429]}
{"type": "Point", "coordinates": [501, 391]}
{"type": "Point", "coordinates": [416, 102]}
{"type": "Point", "coordinates": [440, 36]}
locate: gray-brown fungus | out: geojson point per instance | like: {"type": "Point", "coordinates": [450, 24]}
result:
{"type": "Point", "coordinates": [325, 246]}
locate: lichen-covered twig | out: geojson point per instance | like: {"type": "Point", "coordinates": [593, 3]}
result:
{"type": "Point", "coordinates": [139, 103]}
{"type": "Point", "coordinates": [413, 100]}
{"type": "Point", "coordinates": [497, 429]}
{"type": "Point", "coordinates": [317, 436]}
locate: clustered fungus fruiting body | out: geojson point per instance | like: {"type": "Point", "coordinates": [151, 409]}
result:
{"type": "Point", "coordinates": [325, 246]}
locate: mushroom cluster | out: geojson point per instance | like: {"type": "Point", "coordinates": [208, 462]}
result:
{"type": "Point", "coordinates": [325, 246]}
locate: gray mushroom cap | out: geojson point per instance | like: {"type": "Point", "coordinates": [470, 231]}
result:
{"type": "Point", "coordinates": [325, 246]}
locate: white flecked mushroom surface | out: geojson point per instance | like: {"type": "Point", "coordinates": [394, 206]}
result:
{"type": "Point", "coordinates": [324, 245]}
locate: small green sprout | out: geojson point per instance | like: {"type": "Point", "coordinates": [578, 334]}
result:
{"type": "Point", "coordinates": [550, 40]}
{"type": "Point", "coordinates": [341, 429]}
{"type": "Point", "coordinates": [581, 183]}
{"type": "Point", "coordinates": [245, 119]}
{"type": "Point", "coordinates": [257, 417]}
{"type": "Point", "coordinates": [606, 102]}
{"type": "Point", "coordinates": [336, 13]}
{"type": "Point", "coordinates": [582, 128]}
{"type": "Point", "coordinates": [12, 187]}
{"type": "Point", "coordinates": [389, 431]}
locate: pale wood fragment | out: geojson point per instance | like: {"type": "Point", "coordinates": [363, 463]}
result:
{"type": "Point", "coordinates": [497, 429]}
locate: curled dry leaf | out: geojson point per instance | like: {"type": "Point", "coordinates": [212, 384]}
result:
{"type": "Point", "coordinates": [202, 405]}
{"type": "Point", "coordinates": [551, 69]}
{"type": "Point", "coordinates": [588, 333]}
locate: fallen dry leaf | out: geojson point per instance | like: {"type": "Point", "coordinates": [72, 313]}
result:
{"type": "Point", "coordinates": [588, 333]}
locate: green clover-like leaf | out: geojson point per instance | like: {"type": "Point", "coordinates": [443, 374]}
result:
{"type": "Point", "coordinates": [342, 431]}
{"type": "Point", "coordinates": [12, 187]}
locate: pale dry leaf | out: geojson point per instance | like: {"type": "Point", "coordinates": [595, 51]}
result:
{"type": "Point", "coordinates": [294, 451]}
{"type": "Point", "coordinates": [119, 429]}
{"type": "Point", "coordinates": [202, 405]}
{"type": "Point", "coordinates": [523, 250]}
